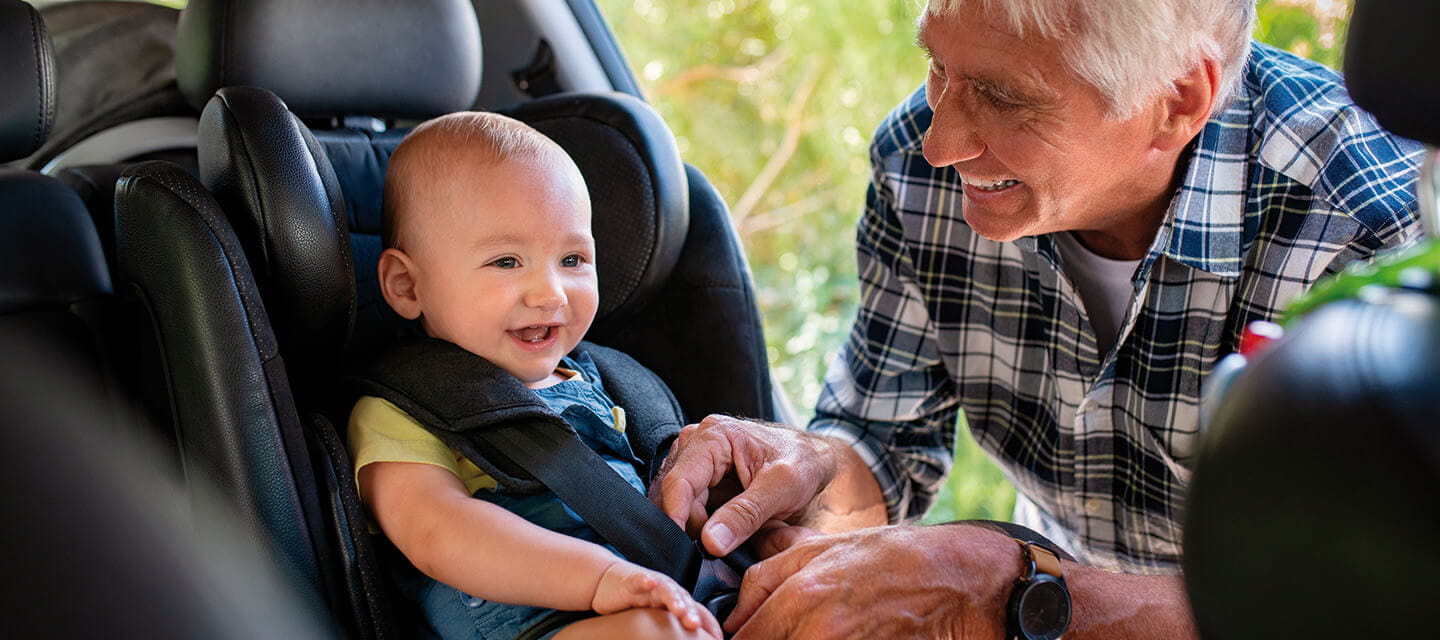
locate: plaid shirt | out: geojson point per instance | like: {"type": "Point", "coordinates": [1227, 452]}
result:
{"type": "Point", "coordinates": [1287, 185]}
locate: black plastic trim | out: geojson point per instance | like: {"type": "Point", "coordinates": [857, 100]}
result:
{"type": "Point", "coordinates": [607, 50]}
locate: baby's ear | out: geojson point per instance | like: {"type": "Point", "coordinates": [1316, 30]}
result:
{"type": "Point", "coordinates": [397, 283]}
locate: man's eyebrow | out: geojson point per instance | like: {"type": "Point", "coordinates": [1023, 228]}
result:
{"type": "Point", "coordinates": [920, 42]}
{"type": "Point", "coordinates": [1011, 92]}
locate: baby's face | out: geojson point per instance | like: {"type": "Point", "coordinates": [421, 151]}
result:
{"type": "Point", "coordinates": [506, 265]}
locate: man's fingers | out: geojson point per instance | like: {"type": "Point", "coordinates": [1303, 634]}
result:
{"type": "Point", "coordinates": [774, 494]}
{"type": "Point", "coordinates": [697, 519]}
{"type": "Point", "coordinates": [764, 578]}
{"type": "Point", "coordinates": [776, 536]}
{"type": "Point", "coordinates": [698, 460]}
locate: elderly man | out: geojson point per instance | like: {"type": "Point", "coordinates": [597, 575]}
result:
{"type": "Point", "coordinates": [1066, 228]}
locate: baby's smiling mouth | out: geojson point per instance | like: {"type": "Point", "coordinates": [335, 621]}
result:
{"type": "Point", "coordinates": [532, 334]}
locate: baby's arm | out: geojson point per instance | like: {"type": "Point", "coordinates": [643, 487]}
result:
{"type": "Point", "coordinates": [490, 553]}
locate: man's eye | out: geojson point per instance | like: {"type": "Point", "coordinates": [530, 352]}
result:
{"type": "Point", "coordinates": [506, 263]}
{"type": "Point", "coordinates": [936, 69]}
{"type": "Point", "coordinates": [998, 102]}
{"type": "Point", "coordinates": [570, 261]}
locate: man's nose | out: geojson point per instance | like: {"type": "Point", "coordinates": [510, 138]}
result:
{"type": "Point", "coordinates": [951, 138]}
{"type": "Point", "coordinates": [545, 291]}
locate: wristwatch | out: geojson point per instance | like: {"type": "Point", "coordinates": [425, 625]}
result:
{"type": "Point", "coordinates": [1039, 606]}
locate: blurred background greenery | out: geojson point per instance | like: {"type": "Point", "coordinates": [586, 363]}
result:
{"type": "Point", "coordinates": [775, 101]}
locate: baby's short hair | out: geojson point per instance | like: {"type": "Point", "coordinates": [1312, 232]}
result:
{"type": "Point", "coordinates": [436, 148]}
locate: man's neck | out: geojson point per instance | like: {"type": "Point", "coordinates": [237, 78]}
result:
{"type": "Point", "coordinates": [1125, 242]}
{"type": "Point", "coordinates": [1130, 236]}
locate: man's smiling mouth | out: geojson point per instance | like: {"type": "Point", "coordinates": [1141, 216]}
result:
{"type": "Point", "coordinates": [988, 185]}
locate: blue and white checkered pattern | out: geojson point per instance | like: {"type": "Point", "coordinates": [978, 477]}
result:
{"type": "Point", "coordinates": [1288, 184]}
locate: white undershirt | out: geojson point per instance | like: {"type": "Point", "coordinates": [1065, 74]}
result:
{"type": "Point", "coordinates": [1103, 284]}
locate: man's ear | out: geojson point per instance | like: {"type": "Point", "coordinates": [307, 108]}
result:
{"type": "Point", "coordinates": [1186, 109]}
{"type": "Point", "coordinates": [397, 283]}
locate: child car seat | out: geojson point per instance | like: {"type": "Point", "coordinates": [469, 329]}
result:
{"type": "Point", "coordinates": [305, 209]}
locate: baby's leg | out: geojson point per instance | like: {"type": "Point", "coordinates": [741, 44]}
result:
{"type": "Point", "coordinates": [640, 624]}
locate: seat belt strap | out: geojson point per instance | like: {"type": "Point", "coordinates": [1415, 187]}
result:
{"type": "Point", "coordinates": [638, 529]}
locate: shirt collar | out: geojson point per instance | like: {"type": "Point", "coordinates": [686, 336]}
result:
{"type": "Point", "coordinates": [1204, 227]}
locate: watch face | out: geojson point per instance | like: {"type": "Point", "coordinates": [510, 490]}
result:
{"type": "Point", "coordinates": [1044, 610]}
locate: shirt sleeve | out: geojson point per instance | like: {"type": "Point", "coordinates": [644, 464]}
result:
{"type": "Point", "coordinates": [381, 432]}
{"type": "Point", "coordinates": [888, 393]}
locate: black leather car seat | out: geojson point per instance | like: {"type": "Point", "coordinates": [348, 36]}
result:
{"type": "Point", "coordinates": [676, 294]}
{"type": "Point", "coordinates": [54, 285]}
{"type": "Point", "coordinates": [302, 211]}
{"type": "Point", "coordinates": [115, 79]}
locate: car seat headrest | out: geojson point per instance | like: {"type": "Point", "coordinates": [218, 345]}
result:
{"type": "Point", "coordinates": [1389, 66]}
{"type": "Point", "coordinates": [50, 255]}
{"type": "Point", "coordinates": [27, 81]}
{"type": "Point", "coordinates": [638, 192]}
{"type": "Point", "coordinates": [1312, 512]}
{"type": "Point", "coordinates": [413, 59]}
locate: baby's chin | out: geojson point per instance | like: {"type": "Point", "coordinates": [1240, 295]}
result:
{"type": "Point", "coordinates": [548, 380]}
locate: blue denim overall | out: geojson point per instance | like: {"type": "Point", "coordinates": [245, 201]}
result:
{"type": "Point", "coordinates": [583, 404]}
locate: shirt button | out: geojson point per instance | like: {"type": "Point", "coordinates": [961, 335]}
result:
{"type": "Point", "coordinates": [1094, 506]}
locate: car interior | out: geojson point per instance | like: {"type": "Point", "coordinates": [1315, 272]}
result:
{"type": "Point", "coordinates": [190, 206]}
{"type": "Point", "coordinates": [243, 267]}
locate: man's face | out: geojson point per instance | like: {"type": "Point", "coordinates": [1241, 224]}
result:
{"type": "Point", "coordinates": [505, 264]}
{"type": "Point", "coordinates": [1029, 138]}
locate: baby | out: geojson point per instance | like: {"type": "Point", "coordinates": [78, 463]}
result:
{"type": "Point", "coordinates": [486, 228]}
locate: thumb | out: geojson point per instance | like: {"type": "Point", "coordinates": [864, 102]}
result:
{"type": "Point", "coordinates": [770, 496]}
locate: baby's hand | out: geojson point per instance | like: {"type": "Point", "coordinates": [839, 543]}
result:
{"type": "Point", "coordinates": [629, 586]}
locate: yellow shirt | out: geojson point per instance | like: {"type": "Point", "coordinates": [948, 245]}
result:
{"type": "Point", "coordinates": [380, 432]}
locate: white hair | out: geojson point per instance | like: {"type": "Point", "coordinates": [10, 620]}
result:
{"type": "Point", "coordinates": [1133, 50]}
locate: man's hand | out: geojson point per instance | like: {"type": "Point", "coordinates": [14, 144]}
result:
{"type": "Point", "coordinates": [887, 582]}
{"type": "Point", "coordinates": [944, 581]}
{"type": "Point", "coordinates": [780, 471]}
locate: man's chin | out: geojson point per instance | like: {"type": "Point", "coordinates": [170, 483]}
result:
{"type": "Point", "coordinates": [999, 226]}
{"type": "Point", "coordinates": [998, 230]}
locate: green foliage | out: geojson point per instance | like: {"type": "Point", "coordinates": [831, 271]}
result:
{"type": "Point", "coordinates": [1302, 28]}
{"type": "Point", "coordinates": [775, 101]}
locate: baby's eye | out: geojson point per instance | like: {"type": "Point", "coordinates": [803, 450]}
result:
{"type": "Point", "coordinates": [572, 260]}
{"type": "Point", "coordinates": [506, 263]}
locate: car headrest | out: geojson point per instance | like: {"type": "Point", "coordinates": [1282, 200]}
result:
{"type": "Point", "coordinates": [307, 209]}
{"type": "Point", "coordinates": [1389, 66]}
{"type": "Point", "coordinates": [638, 192]}
{"type": "Point", "coordinates": [50, 255]}
{"type": "Point", "coordinates": [27, 81]}
{"type": "Point", "coordinates": [412, 59]}
{"type": "Point", "coordinates": [1312, 512]}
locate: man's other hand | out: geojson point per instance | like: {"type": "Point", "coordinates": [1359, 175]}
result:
{"type": "Point", "coordinates": [780, 472]}
{"type": "Point", "coordinates": [943, 581]}
{"type": "Point", "coordinates": [886, 582]}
